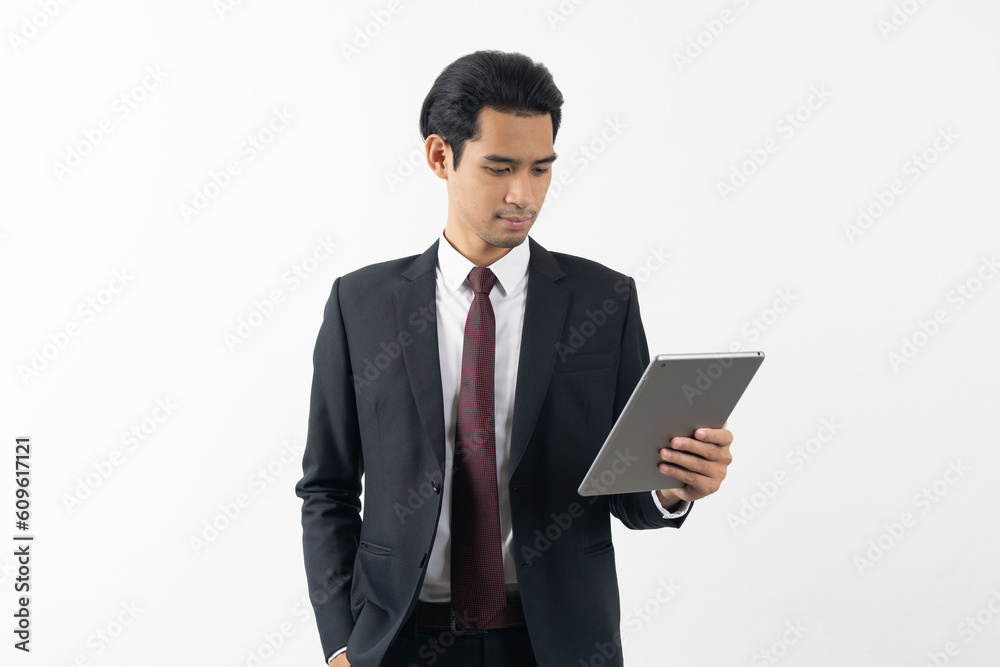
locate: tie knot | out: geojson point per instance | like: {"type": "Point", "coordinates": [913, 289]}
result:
{"type": "Point", "coordinates": [482, 280]}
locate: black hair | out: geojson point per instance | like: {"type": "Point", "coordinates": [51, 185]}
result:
{"type": "Point", "coordinates": [507, 82]}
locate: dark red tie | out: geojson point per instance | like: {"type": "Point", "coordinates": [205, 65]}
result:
{"type": "Point", "coordinates": [477, 579]}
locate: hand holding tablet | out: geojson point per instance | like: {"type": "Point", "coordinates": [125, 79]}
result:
{"type": "Point", "coordinates": [676, 395]}
{"type": "Point", "coordinates": [700, 463]}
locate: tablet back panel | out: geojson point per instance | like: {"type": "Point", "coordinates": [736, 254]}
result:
{"type": "Point", "coordinates": [677, 394]}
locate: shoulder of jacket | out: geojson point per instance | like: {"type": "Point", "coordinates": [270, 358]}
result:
{"type": "Point", "coordinates": [577, 266]}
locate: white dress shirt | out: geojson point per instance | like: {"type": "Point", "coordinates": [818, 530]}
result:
{"type": "Point", "coordinates": [453, 298]}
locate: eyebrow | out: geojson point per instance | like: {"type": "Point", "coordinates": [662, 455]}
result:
{"type": "Point", "coordinates": [492, 157]}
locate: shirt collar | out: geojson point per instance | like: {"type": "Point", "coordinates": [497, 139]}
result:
{"type": "Point", "coordinates": [510, 269]}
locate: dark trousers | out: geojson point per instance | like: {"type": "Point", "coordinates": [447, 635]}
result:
{"type": "Point", "coordinates": [505, 647]}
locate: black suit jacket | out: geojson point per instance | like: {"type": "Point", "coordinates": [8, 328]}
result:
{"type": "Point", "coordinates": [377, 408]}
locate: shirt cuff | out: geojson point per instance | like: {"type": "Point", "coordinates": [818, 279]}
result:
{"type": "Point", "coordinates": [670, 515]}
{"type": "Point", "coordinates": [335, 655]}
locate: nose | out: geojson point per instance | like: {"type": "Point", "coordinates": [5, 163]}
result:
{"type": "Point", "coordinates": [520, 192]}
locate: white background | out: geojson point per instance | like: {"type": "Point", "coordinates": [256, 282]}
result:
{"type": "Point", "coordinates": [825, 552]}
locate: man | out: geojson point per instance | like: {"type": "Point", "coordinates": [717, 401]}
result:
{"type": "Point", "coordinates": [457, 381]}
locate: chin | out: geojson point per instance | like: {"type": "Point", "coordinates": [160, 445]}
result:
{"type": "Point", "coordinates": [503, 237]}
{"type": "Point", "coordinates": [512, 238]}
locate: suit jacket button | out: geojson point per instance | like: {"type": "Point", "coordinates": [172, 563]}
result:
{"type": "Point", "coordinates": [436, 485]}
{"type": "Point", "coordinates": [526, 563]}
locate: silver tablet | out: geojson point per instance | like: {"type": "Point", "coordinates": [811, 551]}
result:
{"type": "Point", "coordinates": [677, 394]}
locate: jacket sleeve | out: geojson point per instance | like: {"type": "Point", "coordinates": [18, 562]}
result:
{"type": "Point", "coordinates": [330, 488]}
{"type": "Point", "coordinates": [636, 510]}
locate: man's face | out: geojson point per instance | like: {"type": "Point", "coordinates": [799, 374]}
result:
{"type": "Point", "coordinates": [501, 181]}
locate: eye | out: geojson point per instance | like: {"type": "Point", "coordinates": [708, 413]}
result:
{"type": "Point", "coordinates": [495, 171]}
{"type": "Point", "coordinates": [541, 170]}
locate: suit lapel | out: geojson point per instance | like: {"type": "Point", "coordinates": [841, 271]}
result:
{"type": "Point", "coordinates": [423, 366]}
{"type": "Point", "coordinates": [544, 316]}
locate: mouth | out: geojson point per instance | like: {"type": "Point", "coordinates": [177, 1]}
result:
{"type": "Point", "coordinates": [514, 222]}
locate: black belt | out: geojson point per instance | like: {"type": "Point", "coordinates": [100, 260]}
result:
{"type": "Point", "coordinates": [431, 616]}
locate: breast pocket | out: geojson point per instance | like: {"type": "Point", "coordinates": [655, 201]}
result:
{"type": "Point", "coordinates": [584, 361]}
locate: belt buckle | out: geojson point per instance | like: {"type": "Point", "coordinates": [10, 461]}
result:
{"type": "Point", "coordinates": [457, 629]}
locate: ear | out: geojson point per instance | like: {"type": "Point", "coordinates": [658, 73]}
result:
{"type": "Point", "coordinates": [438, 152]}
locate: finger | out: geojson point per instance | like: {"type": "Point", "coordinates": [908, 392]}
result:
{"type": "Point", "coordinates": [686, 460]}
{"type": "Point", "coordinates": [697, 484]}
{"type": "Point", "coordinates": [719, 436]}
{"type": "Point", "coordinates": [707, 450]}
{"type": "Point", "coordinates": [695, 480]}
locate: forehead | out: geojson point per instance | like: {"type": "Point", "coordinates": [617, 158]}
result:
{"type": "Point", "coordinates": [530, 136]}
